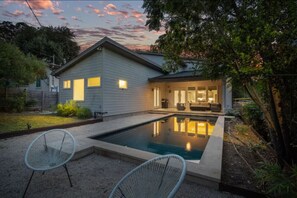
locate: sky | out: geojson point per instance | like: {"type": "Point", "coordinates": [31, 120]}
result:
{"type": "Point", "coordinates": [122, 21]}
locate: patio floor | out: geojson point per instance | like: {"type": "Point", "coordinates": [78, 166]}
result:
{"type": "Point", "coordinates": [92, 176]}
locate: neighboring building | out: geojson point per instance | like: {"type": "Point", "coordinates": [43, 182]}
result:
{"type": "Point", "coordinates": [108, 77]}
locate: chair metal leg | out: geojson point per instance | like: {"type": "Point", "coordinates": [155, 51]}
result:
{"type": "Point", "coordinates": [28, 184]}
{"type": "Point", "coordinates": [68, 174]}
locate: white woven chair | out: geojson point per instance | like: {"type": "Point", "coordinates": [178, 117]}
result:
{"type": "Point", "coordinates": [50, 150]}
{"type": "Point", "coordinates": [158, 177]}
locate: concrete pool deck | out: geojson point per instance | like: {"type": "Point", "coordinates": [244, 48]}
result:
{"type": "Point", "coordinates": [206, 172]}
{"type": "Point", "coordinates": [14, 173]}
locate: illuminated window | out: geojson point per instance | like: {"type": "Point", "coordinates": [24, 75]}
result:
{"type": "Point", "coordinates": [191, 94]}
{"type": "Point", "coordinates": [94, 82]}
{"type": "Point", "coordinates": [212, 94]}
{"type": "Point", "coordinates": [78, 89]}
{"type": "Point", "coordinates": [201, 94]}
{"type": "Point", "coordinates": [67, 84]}
{"type": "Point", "coordinates": [123, 84]}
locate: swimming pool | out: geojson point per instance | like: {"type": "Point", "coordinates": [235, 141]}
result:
{"type": "Point", "coordinates": [186, 136]}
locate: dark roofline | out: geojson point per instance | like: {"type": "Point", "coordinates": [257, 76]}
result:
{"type": "Point", "coordinates": [178, 77]}
{"type": "Point", "coordinates": [114, 46]}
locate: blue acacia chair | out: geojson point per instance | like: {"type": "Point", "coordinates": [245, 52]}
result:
{"type": "Point", "coordinates": [51, 149]}
{"type": "Point", "coordinates": [158, 177]}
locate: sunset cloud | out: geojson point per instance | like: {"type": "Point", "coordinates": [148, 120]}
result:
{"type": "Point", "coordinates": [16, 13]}
{"type": "Point", "coordinates": [62, 18]}
{"type": "Point", "coordinates": [41, 5]}
{"type": "Point", "coordinates": [56, 11]}
{"type": "Point", "coordinates": [112, 10]}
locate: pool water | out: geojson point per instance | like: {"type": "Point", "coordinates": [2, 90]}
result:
{"type": "Point", "coordinates": [182, 135]}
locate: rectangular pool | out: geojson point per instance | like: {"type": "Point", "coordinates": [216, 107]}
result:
{"type": "Point", "coordinates": [186, 136]}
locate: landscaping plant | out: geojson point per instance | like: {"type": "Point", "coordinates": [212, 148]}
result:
{"type": "Point", "coordinates": [68, 109]}
{"type": "Point", "coordinates": [84, 113]}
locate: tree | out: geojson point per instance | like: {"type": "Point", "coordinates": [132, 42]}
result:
{"type": "Point", "coordinates": [43, 42]}
{"type": "Point", "coordinates": [251, 42]}
{"type": "Point", "coordinates": [16, 67]}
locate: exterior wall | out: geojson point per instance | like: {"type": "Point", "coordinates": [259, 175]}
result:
{"type": "Point", "coordinates": [46, 85]}
{"type": "Point", "coordinates": [139, 95]}
{"type": "Point", "coordinates": [227, 96]}
{"type": "Point", "coordinates": [92, 66]}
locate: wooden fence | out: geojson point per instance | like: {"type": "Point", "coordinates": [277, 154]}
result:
{"type": "Point", "coordinates": [43, 100]}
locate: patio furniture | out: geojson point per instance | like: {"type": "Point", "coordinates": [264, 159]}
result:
{"type": "Point", "coordinates": [50, 150]}
{"type": "Point", "coordinates": [181, 106]}
{"type": "Point", "coordinates": [200, 106]}
{"type": "Point", "coordinates": [215, 107]}
{"type": "Point", "coordinates": [158, 177]}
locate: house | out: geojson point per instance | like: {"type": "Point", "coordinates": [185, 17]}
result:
{"type": "Point", "coordinates": [108, 77]}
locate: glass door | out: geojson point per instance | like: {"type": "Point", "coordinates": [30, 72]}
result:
{"type": "Point", "coordinates": [179, 96]}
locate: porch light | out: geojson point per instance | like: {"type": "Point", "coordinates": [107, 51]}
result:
{"type": "Point", "coordinates": [123, 84]}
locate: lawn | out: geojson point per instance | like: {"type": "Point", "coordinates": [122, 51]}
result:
{"type": "Point", "coordinates": [18, 121]}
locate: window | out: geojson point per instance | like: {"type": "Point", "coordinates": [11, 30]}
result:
{"type": "Point", "coordinates": [123, 84]}
{"type": "Point", "coordinates": [212, 94]}
{"type": "Point", "coordinates": [38, 83]}
{"type": "Point", "coordinates": [201, 94]}
{"type": "Point", "coordinates": [94, 82]}
{"type": "Point", "coordinates": [191, 94]}
{"type": "Point", "coordinates": [66, 84]}
{"type": "Point", "coordinates": [78, 89]}
{"type": "Point", "coordinates": [156, 97]}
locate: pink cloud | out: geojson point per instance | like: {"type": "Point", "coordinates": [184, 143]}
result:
{"type": "Point", "coordinates": [110, 6]}
{"type": "Point", "coordinates": [38, 13]}
{"type": "Point", "coordinates": [136, 14]}
{"type": "Point", "coordinates": [75, 18]}
{"type": "Point", "coordinates": [41, 5]}
{"type": "Point", "coordinates": [56, 11]}
{"type": "Point", "coordinates": [16, 13]}
{"type": "Point", "coordinates": [90, 6]}
{"type": "Point", "coordinates": [97, 11]}
{"type": "Point", "coordinates": [112, 10]}
{"type": "Point", "coordinates": [62, 18]}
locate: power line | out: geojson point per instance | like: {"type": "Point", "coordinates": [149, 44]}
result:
{"type": "Point", "coordinates": [33, 13]}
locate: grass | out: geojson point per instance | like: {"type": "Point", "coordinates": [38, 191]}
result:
{"type": "Point", "coordinates": [18, 121]}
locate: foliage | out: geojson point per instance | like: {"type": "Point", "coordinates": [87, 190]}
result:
{"type": "Point", "coordinates": [252, 114]}
{"type": "Point", "coordinates": [84, 113]}
{"type": "Point", "coordinates": [43, 42]}
{"type": "Point", "coordinates": [31, 103]}
{"type": "Point", "coordinates": [279, 183]}
{"type": "Point", "coordinates": [68, 109]}
{"type": "Point", "coordinates": [14, 103]}
{"type": "Point", "coordinates": [241, 128]}
{"type": "Point", "coordinates": [16, 67]}
{"type": "Point", "coordinates": [21, 121]}
{"type": "Point", "coordinates": [251, 42]}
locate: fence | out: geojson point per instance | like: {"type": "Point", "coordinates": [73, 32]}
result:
{"type": "Point", "coordinates": [43, 100]}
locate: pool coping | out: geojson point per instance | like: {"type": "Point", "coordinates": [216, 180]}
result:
{"type": "Point", "coordinates": [207, 172]}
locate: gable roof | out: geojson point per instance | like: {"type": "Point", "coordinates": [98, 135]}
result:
{"type": "Point", "coordinates": [114, 46]}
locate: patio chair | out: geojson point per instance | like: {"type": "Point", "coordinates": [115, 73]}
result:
{"type": "Point", "coordinates": [50, 150]}
{"type": "Point", "coordinates": [158, 177]}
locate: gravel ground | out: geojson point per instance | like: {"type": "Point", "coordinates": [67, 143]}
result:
{"type": "Point", "coordinates": [92, 176]}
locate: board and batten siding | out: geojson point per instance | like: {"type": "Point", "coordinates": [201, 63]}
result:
{"type": "Point", "coordinates": [91, 66]}
{"type": "Point", "coordinates": [139, 95]}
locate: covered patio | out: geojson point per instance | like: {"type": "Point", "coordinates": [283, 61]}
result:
{"type": "Point", "coordinates": [187, 92]}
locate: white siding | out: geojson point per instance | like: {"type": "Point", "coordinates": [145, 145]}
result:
{"type": "Point", "coordinates": [139, 95]}
{"type": "Point", "coordinates": [89, 67]}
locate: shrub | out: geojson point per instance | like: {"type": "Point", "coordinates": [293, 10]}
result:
{"type": "Point", "coordinates": [68, 109]}
{"type": "Point", "coordinates": [31, 103]}
{"type": "Point", "coordinates": [254, 116]}
{"type": "Point", "coordinates": [241, 128]}
{"type": "Point", "coordinates": [84, 113]}
{"type": "Point", "coordinates": [278, 182]}
{"type": "Point", "coordinates": [15, 103]}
